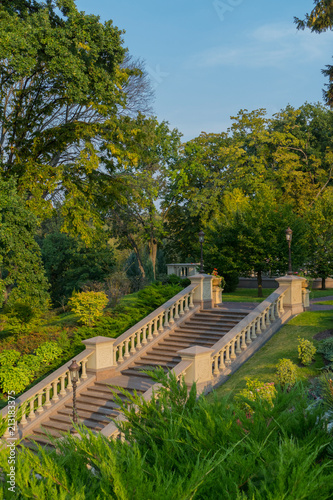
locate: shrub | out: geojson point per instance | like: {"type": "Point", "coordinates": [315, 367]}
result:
{"type": "Point", "coordinates": [286, 373]}
{"type": "Point", "coordinates": [15, 378]}
{"type": "Point", "coordinates": [88, 306]}
{"type": "Point", "coordinates": [306, 351]}
{"type": "Point", "coordinates": [9, 357]}
{"type": "Point", "coordinates": [256, 391]}
{"type": "Point", "coordinates": [326, 348]}
{"type": "Point", "coordinates": [22, 312]}
{"type": "Point", "coordinates": [48, 352]}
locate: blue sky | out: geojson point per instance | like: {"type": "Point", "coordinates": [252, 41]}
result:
{"type": "Point", "coordinates": [210, 58]}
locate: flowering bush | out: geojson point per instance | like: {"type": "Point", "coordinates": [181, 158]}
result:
{"type": "Point", "coordinates": [306, 351]}
{"type": "Point", "coordinates": [256, 391]}
{"type": "Point", "coordinates": [286, 373]}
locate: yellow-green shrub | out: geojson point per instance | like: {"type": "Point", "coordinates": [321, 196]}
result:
{"type": "Point", "coordinates": [306, 351]}
{"type": "Point", "coordinates": [256, 391]}
{"type": "Point", "coordinates": [286, 373]}
{"type": "Point", "coordinates": [88, 306]}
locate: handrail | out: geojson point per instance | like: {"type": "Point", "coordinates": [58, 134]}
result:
{"type": "Point", "coordinates": [247, 330]}
{"type": "Point", "coordinates": [153, 325]}
{"type": "Point", "coordinates": [49, 386]}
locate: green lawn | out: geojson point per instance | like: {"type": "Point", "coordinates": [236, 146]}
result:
{"type": "Point", "coordinates": [325, 303]}
{"type": "Point", "coordinates": [251, 294]}
{"type": "Point", "coordinates": [246, 295]}
{"type": "Point", "coordinates": [282, 345]}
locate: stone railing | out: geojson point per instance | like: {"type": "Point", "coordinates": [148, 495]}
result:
{"type": "Point", "coordinates": [41, 397]}
{"type": "Point", "coordinates": [183, 270]}
{"type": "Point", "coordinates": [238, 339]}
{"type": "Point", "coordinates": [137, 337]}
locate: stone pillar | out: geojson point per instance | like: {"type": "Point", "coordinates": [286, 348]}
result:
{"type": "Point", "coordinates": [217, 292]}
{"type": "Point", "coordinates": [203, 295]}
{"type": "Point", "coordinates": [200, 371]}
{"type": "Point", "coordinates": [293, 298]}
{"type": "Point", "coordinates": [101, 362]}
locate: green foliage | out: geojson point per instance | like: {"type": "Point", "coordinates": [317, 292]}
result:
{"type": "Point", "coordinates": [178, 446]}
{"type": "Point", "coordinates": [24, 313]}
{"type": "Point", "coordinates": [326, 349]}
{"type": "Point", "coordinates": [22, 273]}
{"type": "Point", "coordinates": [88, 306]}
{"type": "Point", "coordinates": [69, 264]}
{"type": "Point", "coordinates": [256, 391]}
{"type": "Point", "coordinates": [18, 371]}
{"type": "Point", "coordinates": [286, 373]}
{"type": "Point", "coordinates": [306, 351]}
{"type": "Point", "coordinates": [48, 352]}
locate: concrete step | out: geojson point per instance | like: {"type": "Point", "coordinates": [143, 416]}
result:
{"type": "Point", "coordinates": [188, 341]}
{"type": "Point", "coordinates": [190, 332]}
{"type": "Point", "coordinates": [99, 414]}
{"type": "Point", "coordinates": [151, 364]}
{"type": "Point", "coordinates": [155, 356]}
{"type": "Point", "coordinates": [64, 423]}
{"type": "Point", "coordinates": [85, 402]}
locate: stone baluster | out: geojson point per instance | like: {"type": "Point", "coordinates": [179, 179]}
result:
{"type": "Point", "coordinates": [216, 365]}
{"type": "Point", "coordinates": [40, 408]}
{"type": "Point", "coordinates": [238, 346]}
{"type": "Point", "coordinates": [276, 309]}
{"type": "Point", "coordinates": [62, 385]}
{"type": "Point", "coordinates": [268, 321]}
{"type": "Point", "coordinates": [161, 328]}
{"type": "Point", "coordinates": [176, 310]}
{"type": "Point", "coordinates": [222, 365]}
{"type": "Point", "coordinates": [138, 339]}
{"type": "Point", "coordinates": [55, 396]}
{"type": "Point", "coordinates": [281, 305]}
{"type": "Point", "coordinates": [47, 395]}
{"type": "Point", "coordinates": [150, 336]}
{"type": "Point", "coordinates": [181, 312]}
{"type": "Point", "coordinates": [258, 325]}
{"type": "Point", "coordinates": [24, 416]}
{"type": "Point", "coordinates": [84, 369]}
{"type": "Point", "coordinates": [79, 378]}
{"type": "Point", "coordinates": [271, 310]}
{"type": "Point", "coordinates": [253, 330]}
{"type": "Point", "coordinates": [233, 354]}
{"type": "Point", "coordinates": [243, 334]}
{"type": "Point", "coordinates": [248, 334]}
{"type": "Point", "coordinates": [171, 320]}
{"type": "Point", "coordinates": [166, 318]}
{"type": "Point", "coordinates": [227, 355]}
{"type": "Point", "coordinates": [120, 350]}
{"type": "Point", "coordinates": [155, 332]}
{"type": "Point", "coordinates": [132, 339]}
{"type": "Point", "coordinates": [186, 298]}
{"type": "Point", "coordinates": [144, 335]}
{"type": "Point", "coordinates": [263, 322]}
{"type": "Point", "coordinates": [32, 409]}
{"type": "Point", "coordinates": [127, 354]}
{"type": "Point", "coordinates": [191, 300]}
{"type": "Point", "coordinates": [69, 380]}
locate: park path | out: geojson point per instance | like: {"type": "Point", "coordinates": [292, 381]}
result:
{"type": "Point", "coordinates": [320, 307]}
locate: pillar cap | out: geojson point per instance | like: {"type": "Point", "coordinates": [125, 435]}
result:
{"type": "Point", "coordinates": [195, 351]}
{"type": "Point", "coordinates": [98, 340]}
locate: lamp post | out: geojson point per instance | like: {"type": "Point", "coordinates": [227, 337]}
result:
{"type": "Point", "coordinates": [74, 374]}
{"type": "Point", "coordinates": [289, 235]}
{"type": "Point", "coordinates": [201, 239]}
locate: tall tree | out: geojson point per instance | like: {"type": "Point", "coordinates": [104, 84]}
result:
{"type": "Point", "coordinates": [319, 20]}
{"type": "Point", "coordinates": [22, 276]}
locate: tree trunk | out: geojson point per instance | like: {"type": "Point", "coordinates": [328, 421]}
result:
{"type": "Point", "coordinates": [323, 283]}
{"type": "Point", "coordinates": [259, 280]}
{"type": "Point", "coordinates": [153, 253]}
{"type": "Point", "coordinates": [137, 253]}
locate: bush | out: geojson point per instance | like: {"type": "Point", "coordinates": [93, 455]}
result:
{"type": "Point", "coordinates": [286, 373]}
{"type": "Point", "coordinates": [48, 352]}
{"type": "Point", "coordinates": [326, 348]}
{"type": "Point", "coordinates": [256, 391]}
{"type": "Point", "coordinates": [88, 306]}
{"type": "Point", "coordinates": [231, 281]}
{"type": "Point", "coordinates": [306, 351]}
{"type": "Point", "coordinates": [22, 311]}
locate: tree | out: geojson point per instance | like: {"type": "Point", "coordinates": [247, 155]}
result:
{"type": "Point", "coordinates": [61, 88]}
{"type": "Point", "coordinates": [319, 20]}
{"type": "Point", "coordinates": [320, 237]}
{"type": "Point", "coordinates": [22, 275]}
{"type": "Point", "coordinates": [150, 148]}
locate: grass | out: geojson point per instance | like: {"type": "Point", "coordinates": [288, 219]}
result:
{"type": "Point", "coordinates": [246, 295]}
{"type": "Point", "coordinates": [283, 344]}
{"type": "Point", "coordinates": [251, 295]}
{"type": "Point", "coordinates": [325, 303]}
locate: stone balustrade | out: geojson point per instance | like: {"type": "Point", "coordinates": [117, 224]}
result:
{"type": "Point", "coordinates": [247, 330]}
{"type": "Point", "coordinates": [183, 270]}
{"type": "Point", "coordinates": [34, 402]}
{"type": "Point", "coordinates": [137, 337]}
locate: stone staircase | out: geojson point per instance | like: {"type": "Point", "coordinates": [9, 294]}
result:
{"type": "Point", "coordinates": [96, 405]}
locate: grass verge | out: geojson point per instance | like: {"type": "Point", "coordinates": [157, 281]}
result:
{"type": "Point", "coordinates": [283, 344]}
